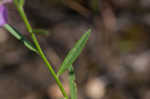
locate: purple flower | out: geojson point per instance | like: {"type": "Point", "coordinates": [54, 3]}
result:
{"type": "Point", "coordinates": [3, 15]}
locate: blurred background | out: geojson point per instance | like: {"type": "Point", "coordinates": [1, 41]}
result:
{"type": "Point", "coordinates": [113, 65]}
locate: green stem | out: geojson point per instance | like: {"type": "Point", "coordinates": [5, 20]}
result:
{"type": "Point", "coordinates": [40, 52]}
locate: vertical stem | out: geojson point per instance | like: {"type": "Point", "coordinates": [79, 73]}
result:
{"type": "Point", "coordinates": [41, 53]}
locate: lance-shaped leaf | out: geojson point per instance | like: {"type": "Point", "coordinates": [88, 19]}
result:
{"type": "Point", "coordinates": [20, 37]}
{"type": "Point", "coordinates": [74, 53]}
{"type": "Point", "coordinates": [72, 84]}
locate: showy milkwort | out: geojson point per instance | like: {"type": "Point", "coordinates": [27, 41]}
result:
{"type": "Point", "coordinates": [3, 12]}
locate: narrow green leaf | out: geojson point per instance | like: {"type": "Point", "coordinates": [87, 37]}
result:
{"type": "Point", "coordinates": [15, 1]}
{"type": "Point", "coordinates": [20, 37]}
{"type": "Point", "coordinates": [40, 31]}
{"type": "Point", "coordinates": [74, 53]}
{"type": "Point", "coordinates": [21, 2]}
{"type": "Point", "coordinates": [72, 84]}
